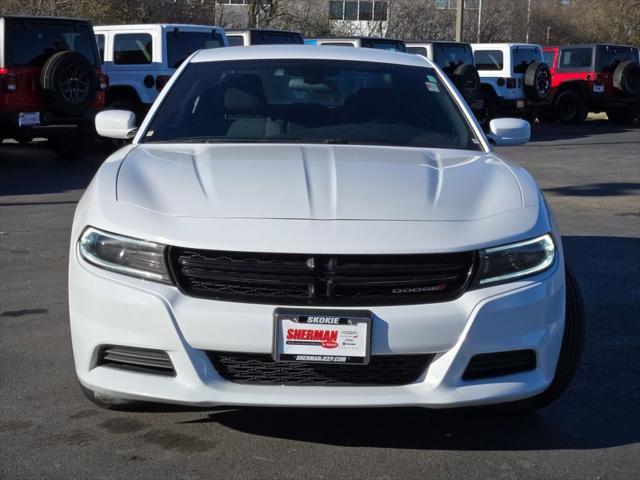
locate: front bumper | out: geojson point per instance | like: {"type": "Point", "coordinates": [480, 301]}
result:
{"type": "Point", "coordinates": [111, 309]}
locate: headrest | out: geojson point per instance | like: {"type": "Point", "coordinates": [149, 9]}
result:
{"type": "Point", "coordinates": [243, 93]}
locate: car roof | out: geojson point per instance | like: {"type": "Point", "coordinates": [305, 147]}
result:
{"type": "Point", "coordinates": [358, 38]}
{"type": "Point", "coordinates": [276, 30]}
{"type": "Point", "coordinates": [39, 17]}
{"type": "Point", "coordinates": [590, 45]}
{"type": "Point", "coordinates": [437, 42]}
{"type": "Point", "coordinates": [263, 52]}
{"type": "Point", "coordinates": [498, 44]}
{"type": "Point", "coordinates": [147, 25]}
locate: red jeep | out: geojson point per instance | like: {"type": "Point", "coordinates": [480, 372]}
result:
{"type": "Point", "coordinates": [594, 78]}
{"type": "Point", "coordinates": [50, 82]}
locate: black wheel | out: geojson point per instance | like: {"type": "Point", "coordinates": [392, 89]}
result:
{"type": "Point", "coordinates": [570, 352]}
{"type": "Point", "coordinates": [546, 116]}
{"type": "Point", "coordinates": [569, 108]}
{"type": "Point", "coordinates": [104, 401]}
{"type": "Point", "coordinates": [72, 146]}
{"type": "Point", "coordinates": [467, 81]}
{"type": "Point", "coordinates": [626, 78]}
{"type": "Point", "coordinates": [537, 81]}
{"type": "Point", "coordinates": [492, 107]}
{"type": "Point", "coordinates": [69, 84]}
{"type": "Point", "coordinates": [530, 116]}
{"type": "Point", "coordinates": [622, 116]}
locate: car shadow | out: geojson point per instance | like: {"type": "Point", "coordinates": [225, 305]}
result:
{"type": "Point", "coordinates": [600, 409]}
{"type": "Point", "coordinates": [34, 169]}
{"type": "Point", "coordinates": [552, 132]}
{"type": "Point", "coordinates": [597, 189]}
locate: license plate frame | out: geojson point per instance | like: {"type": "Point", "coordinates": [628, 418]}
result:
{"type": "Point", "coordinates": [354, 333]}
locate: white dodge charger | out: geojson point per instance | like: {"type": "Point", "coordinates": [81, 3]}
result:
{"type": "Point", "coordinates": [307, 226]}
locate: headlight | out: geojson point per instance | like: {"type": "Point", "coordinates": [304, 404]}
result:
{"type": "Point", "coordinates": [509, 262]}
{"type": "Point", "coordinates": [126, 255]}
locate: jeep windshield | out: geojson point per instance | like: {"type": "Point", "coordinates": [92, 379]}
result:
{"type": "Point", "coordinates": [31, 42]}
{"type": "Point", "coordinates": [311, 101]}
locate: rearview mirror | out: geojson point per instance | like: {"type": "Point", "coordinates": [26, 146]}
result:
{"type": "Point", "coordinates": [119, 124]}
{"type": "Point", "coordinates": [509, 131]}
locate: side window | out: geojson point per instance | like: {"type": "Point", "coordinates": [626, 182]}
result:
{"type": "Point", "coordinates": [235, 40]}
{"type": "Point", "coordinates": [132, 49]}
{"type": "Point", "coordinates": [575, 58]}
{"type": "Point", "coordinates": [489, 59]}
{"type": "Point", "coordinates": [100, 41]}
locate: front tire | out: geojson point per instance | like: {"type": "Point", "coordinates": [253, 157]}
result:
{"type": "Point", "coordinates": [570, 352]}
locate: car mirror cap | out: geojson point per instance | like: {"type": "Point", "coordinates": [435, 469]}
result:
{"type": "Point", "coordinates": [119, 124]}
{"type": "Point", "coordinates": [509, 131]}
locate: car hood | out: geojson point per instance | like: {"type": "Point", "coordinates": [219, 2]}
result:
{"type": "Point", "coordinates": [319, 182]}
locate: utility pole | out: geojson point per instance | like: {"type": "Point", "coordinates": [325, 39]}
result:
{"type": "Point", "coordinates": [479, 20]}
{"type": "Point", "coordinates": [460, 19]}
{"type": "Point", "coordinates": [528, 18]}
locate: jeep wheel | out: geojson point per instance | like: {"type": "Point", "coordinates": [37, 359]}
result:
{"type": "Point", "coordinates": [537, 81]}
{"type": "Point", "coordinates": [72, 146]}
{"type": "Point", "coordinates": [569, 108]}
{"type": "Point", "coordinates": [467, 81]}
{"type": "Point", "coordinates": [626, 78]}
{"type": "Point", "coordinates": [622, 116]}
{"type": "Point", "coordinates": [69, 84]}
{"type": "Point", "coordinates": [570, 352]}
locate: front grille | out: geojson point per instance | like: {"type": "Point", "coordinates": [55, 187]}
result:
{"type": "Point", "coordinates": [497, 364]}
{"type": "Point", "coordinates": [142, 360]}
{"type": "Point", "coordinates": [317, 280]}
{"type": "Point", "coordinates": [258, 369]}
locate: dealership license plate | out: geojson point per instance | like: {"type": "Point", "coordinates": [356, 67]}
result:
{"type": "Point", "coordinates": [28, 119]}
{"type": "Point", "coordinates": [598, 88]}
{"type": "Point", "coordinates": [519, 103]}
{"type": "Point", "coordinates": [322, 336]}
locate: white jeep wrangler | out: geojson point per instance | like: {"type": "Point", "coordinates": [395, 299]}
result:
{"type": "Point", "coordinates": [515, 80]}
{"type": "Point", "coordinates": [140, 59]}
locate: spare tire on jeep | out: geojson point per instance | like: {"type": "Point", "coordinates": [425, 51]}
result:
{"type": "Point", "coordinates": [537, 81]}
{"type": "Point", "coordinates": [626, 78]}
{"type": "Point", "coordinates": [69, 84]}
{"type": "Point", "coordinates": [467, 81]}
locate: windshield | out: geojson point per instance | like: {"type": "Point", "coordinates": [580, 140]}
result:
{"type": "Point", "coordinates": [181, 44]}
{"type": "Point", "coordinates": [311, 101]}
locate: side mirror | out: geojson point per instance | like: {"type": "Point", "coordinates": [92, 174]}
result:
{"type": "Point", "coordinates": [119, 124]}
{"type": "Point", "coordinates": [509, 131]}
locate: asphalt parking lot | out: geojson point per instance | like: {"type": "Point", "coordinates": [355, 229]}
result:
{"type": "Point", "coordinates": [591, 177]}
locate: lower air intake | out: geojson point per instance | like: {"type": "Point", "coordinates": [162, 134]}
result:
{"type": "Point", "coordinates": [497, 364]}
{"type": "Point", "coordinates": [260, 369]}
{"type": "Point", "coordinates": [142, 360]}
